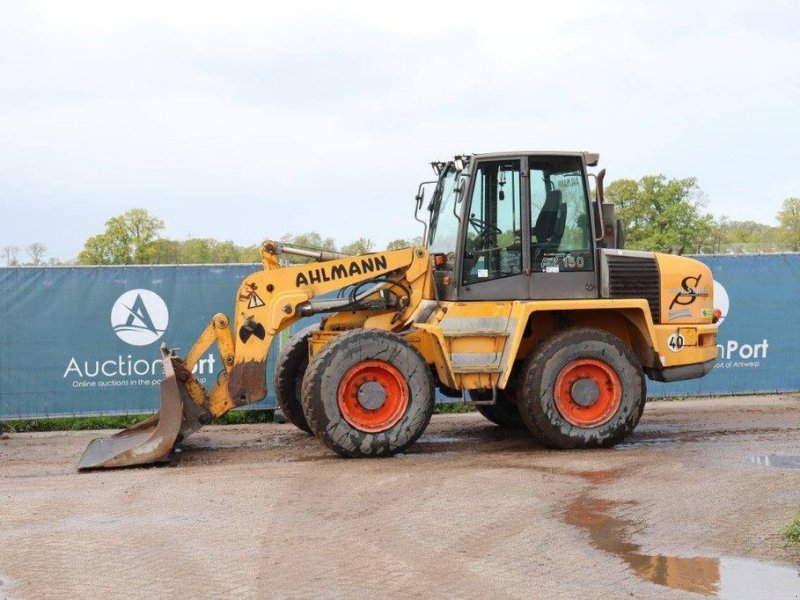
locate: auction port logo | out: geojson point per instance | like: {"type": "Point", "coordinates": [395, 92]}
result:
{"type": "Point", "coordinates": [139, 317]}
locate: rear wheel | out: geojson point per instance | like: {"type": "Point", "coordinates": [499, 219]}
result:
{"type": "Point", "coordinates": [583, 388]}
{"type": "Point", "coordinates": [504, 413]}
{"type": "Point", "coordinates": [368, 393]}
{"type": "Point", "coordinates": [289, 371]}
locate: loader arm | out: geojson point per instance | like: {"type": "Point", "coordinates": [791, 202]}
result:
{"type": "Point", "coordinates": [273, 299]}
{"type": "Point", "coordinates": [388, 285]}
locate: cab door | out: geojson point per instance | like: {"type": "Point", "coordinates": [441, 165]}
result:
{"type": "Point", "coordinates": [495, 241]}
{"type": "Point", "coordinates": [561, 242]}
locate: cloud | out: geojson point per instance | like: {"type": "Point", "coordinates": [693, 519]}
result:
{"type": "Point", "coordinates": [250, 119]}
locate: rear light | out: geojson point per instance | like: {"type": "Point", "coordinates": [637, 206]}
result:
{"type": "Point", "coordinates": [716, 315]}
{"type": "Point", "coordinates": [439, 260]}
{"type": "Point", "coordinates": [707, 339]}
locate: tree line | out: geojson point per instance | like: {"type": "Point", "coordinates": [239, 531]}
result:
{"type": "Point", "coordinates": [659, 214]}
{"type": "Point", "coordinates": [36, 254]}
{"type": "Point", "coordinates": [667, 215]}
{"type": "Point", "coordinates": [134, 238]}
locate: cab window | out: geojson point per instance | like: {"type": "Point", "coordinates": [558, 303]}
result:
{"type": "Point", "coordinates": [493, 247]}
{"type": "Point", "coordinates": [560, 226]}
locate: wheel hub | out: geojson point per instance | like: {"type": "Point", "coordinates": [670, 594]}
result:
{"type": "Point", "coordinates": [371, 395]}
{"type": "Point", "coordinates": [585, 392]}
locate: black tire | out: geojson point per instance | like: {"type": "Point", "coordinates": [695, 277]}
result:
{"type": "Point", "coordinates": [504, 413]}
{"type": "Point", "coordinates": [536, 394]}
{"type": "Point", "coordinates": [289, 371]}
{"type": "Point", "coordinates": [347, 353]}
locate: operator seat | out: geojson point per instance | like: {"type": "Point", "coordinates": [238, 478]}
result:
{"type": "Point", "coordinates": [558, 226]}
{"type": "Point", "coordinates": [549, 227]}
{"type": "Point", "coordinates": [546, 221]}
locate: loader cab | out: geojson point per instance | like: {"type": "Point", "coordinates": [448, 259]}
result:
{"type": "Point", "coordinates": [514, 226]}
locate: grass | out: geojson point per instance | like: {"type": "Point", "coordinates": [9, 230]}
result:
{"type": "Point", "coordinates": [791, 532]}
{"type": "Point", "coordinates": [667, 398]}
{"type": "Point", "coordinates": [453, 408]}
{"type": "Point", "coordinates": [235, 417]}
{"type": "Point", "coordinates": [71, 423]}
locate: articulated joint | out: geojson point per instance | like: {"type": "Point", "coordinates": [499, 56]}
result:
{"type": "Point", "coordinates": [217, 330]}
{"type": "Point", "coordinates": [222, 332]}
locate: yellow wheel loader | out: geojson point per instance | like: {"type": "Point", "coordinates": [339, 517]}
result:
{"type": "Point", "coordinates": [521, 301]}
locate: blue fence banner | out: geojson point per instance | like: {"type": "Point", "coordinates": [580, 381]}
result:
{"type": "Point", "coordinates": [759, 338]}
{"type": "Point", "coordinates": [84, 340]}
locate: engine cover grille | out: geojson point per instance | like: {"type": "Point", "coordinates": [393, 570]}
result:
{"type": "Point", "coordinates": [635, 277]}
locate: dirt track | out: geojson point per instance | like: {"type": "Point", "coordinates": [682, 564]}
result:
{"type": "Point", "coordinates": [470, 511]}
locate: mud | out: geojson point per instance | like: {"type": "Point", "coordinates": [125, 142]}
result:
{"type": "Point", "coordinates": [680, 511]}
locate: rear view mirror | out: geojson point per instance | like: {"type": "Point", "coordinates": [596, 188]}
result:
{"type": "Point", "coordinates": [460, 188]}
{"type": "Point", "coordinates": [418, 205]}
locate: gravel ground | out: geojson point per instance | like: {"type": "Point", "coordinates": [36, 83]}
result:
{"type": "Point", "coordinates": [687, 507]}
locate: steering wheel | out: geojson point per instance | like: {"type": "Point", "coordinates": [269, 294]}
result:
{"type": "Point", "coordinates": [483, 229]}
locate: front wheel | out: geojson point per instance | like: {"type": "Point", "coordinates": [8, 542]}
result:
{"type": "Point", "coordinates": [368, 393]}
{"type": "Point", "coordinates": [583, 388]}
{"type": "Point", "coordinates": [290, 368]}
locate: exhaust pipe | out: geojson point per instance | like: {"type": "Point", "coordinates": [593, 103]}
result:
{"type": "Point", "coordinates": [601, 196]}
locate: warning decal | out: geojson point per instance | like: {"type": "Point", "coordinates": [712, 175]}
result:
{"type": "Point", "coordinates": [255, 301]}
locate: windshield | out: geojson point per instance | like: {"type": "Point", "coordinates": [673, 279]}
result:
{"type": "Point", "coordinates": [443, 231]}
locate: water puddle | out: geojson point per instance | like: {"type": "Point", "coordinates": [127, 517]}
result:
{"type": "Point", "coordinates": [644, 442]}
{"type": "Point", "coordinates": [662, 435]}
{"type": "Point", "coordinates": [725, 577]}
{"type": "Point", "coordinates": [6, 583]}
{"type": "Point", "coordinates": [777, 461]}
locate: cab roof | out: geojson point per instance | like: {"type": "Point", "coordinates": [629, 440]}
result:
{"type": "Point", "coordinates": [590, 158]}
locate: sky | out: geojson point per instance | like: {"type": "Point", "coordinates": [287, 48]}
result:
{"type": "Point", "coordinates": [246, 120]}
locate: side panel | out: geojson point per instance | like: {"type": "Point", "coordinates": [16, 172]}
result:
{"type": "Point", "coordinates": [474, 338]}
{"type": "Point", "coordinates": [481, 340]}
{"type": "Point", "coordinates": [554, 286]}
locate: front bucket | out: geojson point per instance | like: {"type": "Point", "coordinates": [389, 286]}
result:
{"type": "Point", "coordinates": [149, 441]}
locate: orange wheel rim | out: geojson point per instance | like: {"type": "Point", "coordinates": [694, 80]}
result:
{"type": "Point", "coordinates": [588, 392]}
{"type": "Point", "coordinates": [373, 396]}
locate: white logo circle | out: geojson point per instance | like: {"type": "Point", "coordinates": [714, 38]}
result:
{"type": "Point", "coordinates": [139, 317]}
{"type": "Point", "coordinates": [721, 300]}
